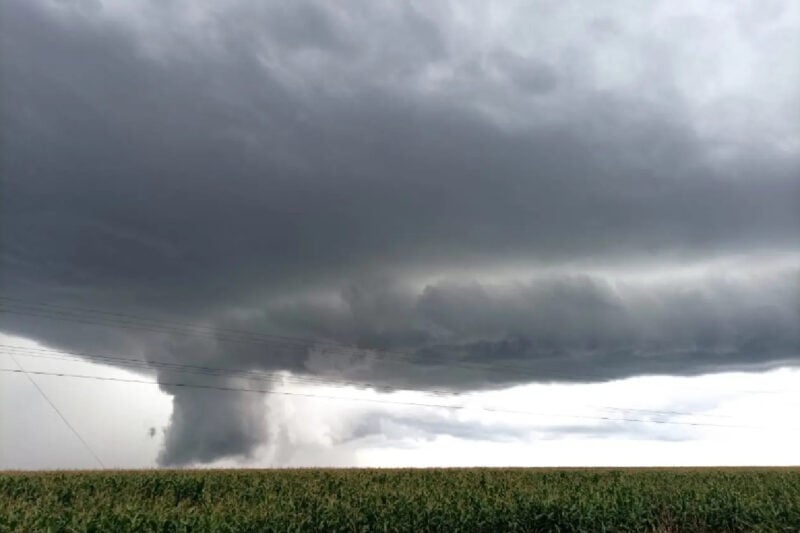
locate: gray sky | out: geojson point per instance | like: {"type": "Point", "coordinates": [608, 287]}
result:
{"type": "Point", "coordinates": [505, 192]}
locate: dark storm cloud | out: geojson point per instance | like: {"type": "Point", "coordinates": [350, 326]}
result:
{"type": "Point", "coordinates": [220, 164]}
{"type": "Point", "coordinates": [557, 328]}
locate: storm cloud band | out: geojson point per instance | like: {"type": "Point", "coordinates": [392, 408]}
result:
{"type": "Point", "coordinates": [363, 175]}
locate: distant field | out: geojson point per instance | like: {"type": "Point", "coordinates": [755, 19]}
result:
{"type": "Point", "coordinates": [404, 500]}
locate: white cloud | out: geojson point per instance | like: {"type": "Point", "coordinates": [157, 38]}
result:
{"type": "Point", "coordinates": [744, 418]}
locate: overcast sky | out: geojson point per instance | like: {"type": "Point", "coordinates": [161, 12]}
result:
{"type": "Point", "coordinates": [525, 209]}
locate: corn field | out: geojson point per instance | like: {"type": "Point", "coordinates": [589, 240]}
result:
{"type": "Point", "coordinates": [403, 500]}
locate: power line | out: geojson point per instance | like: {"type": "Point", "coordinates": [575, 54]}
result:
{"type": "Point", "coordinates": [275, 377]}
{"type": "Point", "coordinates": [62, 312]}
{"type": "Point", "coordinates": [281, 378]}
{"type": "Point", "coordinates": [146, 324]}
{"type": "Point", "coordinates": [199, 369]}
{"type": "Point", "coordinates": [378, 355]}
{"type": "Point", "coordinates": [212, 329]}
{"type": "Point", "coordinates": [394, 402]}
{"type": "Point", "coordinates": [57, 410]}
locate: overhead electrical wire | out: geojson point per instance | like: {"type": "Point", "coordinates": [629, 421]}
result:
{"type": "Point", "coordinates": [123, 320]}
{"type": "Point", "coordinates": [396, 402]}
{"type": "Point", "coordinates": [69, 313]}
{"type": "Point", "coordinates": [273, 377]}
{"type": "Point", "coordinates": [257, 375]}
{"type": "Point", "coordinates": [57, 411]}
{"type": "Point", "coordinates": [99, 318]}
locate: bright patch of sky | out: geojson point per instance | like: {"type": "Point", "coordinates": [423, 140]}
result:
{"type": "Point", "coordinates": [714, 419]}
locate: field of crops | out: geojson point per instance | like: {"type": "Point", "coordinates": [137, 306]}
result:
{"type": "Point", "coordinates": [404, 500]}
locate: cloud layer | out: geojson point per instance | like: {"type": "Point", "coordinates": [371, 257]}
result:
{"type": "Point", "coordinates": [371, 176]}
